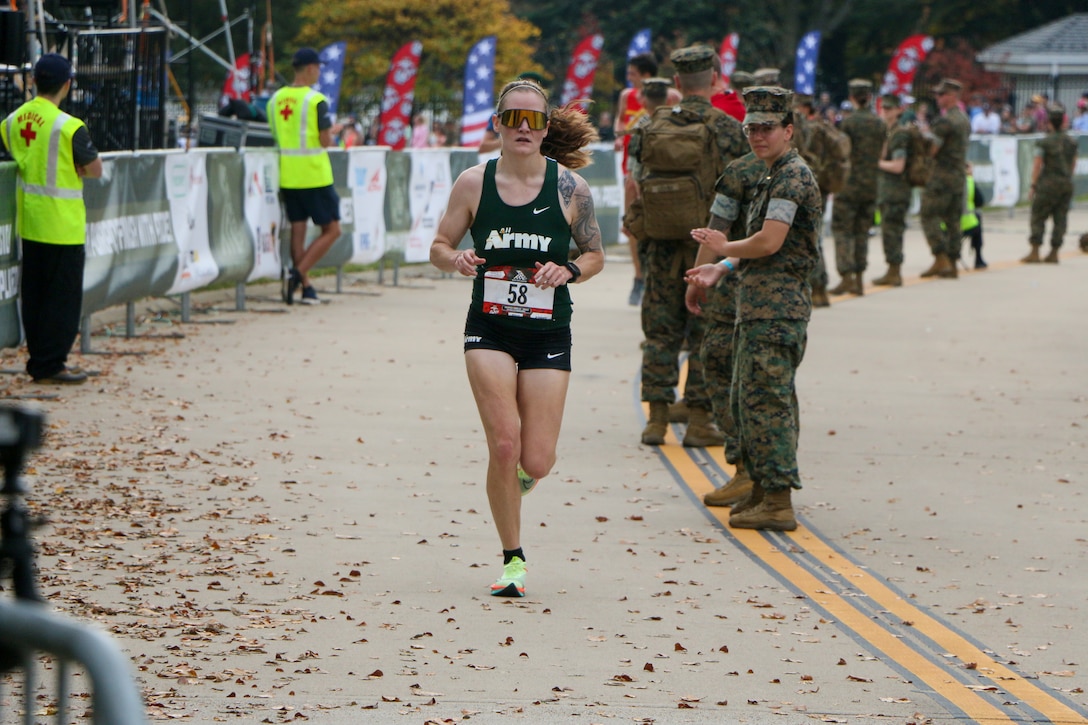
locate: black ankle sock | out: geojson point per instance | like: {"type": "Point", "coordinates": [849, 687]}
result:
{"type": "Point", "coordinates": [508, 555]}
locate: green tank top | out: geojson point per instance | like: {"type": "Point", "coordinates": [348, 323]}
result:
{"type": "Point", "coordinates": [513, 239]}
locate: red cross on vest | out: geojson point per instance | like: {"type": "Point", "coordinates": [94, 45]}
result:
{"type": "Point", "coordinates": [286, 112]}
{"type": "Point", "coordinates": [28, 133]}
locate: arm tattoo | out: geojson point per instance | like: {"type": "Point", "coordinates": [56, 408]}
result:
{"type": "Point", "coordinates": [584, 230]}
{"type": "Point", "coordinates": [567, 185]}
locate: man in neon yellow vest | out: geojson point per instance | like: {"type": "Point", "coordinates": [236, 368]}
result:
{"type": "Point", "coordinates": [54, 153]}
{"type": "Point", "coordinates": [299, 119]}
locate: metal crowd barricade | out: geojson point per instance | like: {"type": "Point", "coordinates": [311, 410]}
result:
{"type": "Point", "coordinates": [28, 628]}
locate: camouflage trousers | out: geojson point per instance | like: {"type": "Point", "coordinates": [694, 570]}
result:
{"type": "Point", "coordinates": [717, 358]}
{"type": "Point", "coordinates": [818, 278]}
{"type": "Point", "coordinates": [666, 323]}
{"type": "Point", "coordinates": [851, 219]}
{"type": "Point", "coordinates": [893, 224]}
{"type": "Point", "coordinates": [767, 354]}
{"type": "Point", "coordinates": [1050, 202]}
{"type": "Point", "coordinates": [942, 206]}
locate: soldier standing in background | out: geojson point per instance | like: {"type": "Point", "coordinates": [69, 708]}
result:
{"type": "Point", "coordinates": [717, 303]}
{"type": "Point", "coordinates": [942, 198]}
{"type": "Point", "coordinates": [665, 318]}
{"type": "Point", "coordinates": [854, 208]}
{"type": "Point", "coordinates": [1051, 186]}
{"type": "Point", "coordinates": [893, 189]}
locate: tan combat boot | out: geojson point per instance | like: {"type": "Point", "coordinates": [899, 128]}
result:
{"type": "Point", "coordinates": [891, 278]}
{"type": "Point", "coordinates": [1033, 255]}
{"type": "Point", "coordinates": [739, 487]}
{"type": "Point", "coordinates": [753, 499]}
{"type": "Point", "coordinates": [844, 285]}
{"type": "Point", "coordinates": [654, 432]}
{"type": "Point", "coordinates": [819, 297]}
{"type": "Point", "coordinates": [1052, 256]}
{"type": "Point", "coordinates": [940, 261]}
{"type": "Point", "coordinates": [678, 411]}
{"type": "Point", "coordinates": [857, 284]}
{"type": "Point", "coordinates": [774, 513]}
{"type": "Point", "coordinates": [701, 430]}
{"type": "Point", "coordinates": [950, 270]}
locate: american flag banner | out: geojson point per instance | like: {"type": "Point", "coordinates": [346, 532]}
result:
{"type": "Point", "coordinates": [804, 71]}
{"type": "Point", "coordinates": [900, 76]}
{"type": "Point", "coordinates": [728, 54]}
{"type": "Point", "coordinates": [583, 66]}
{"type": "Point", "coordinates": [640, 44]}
{"type": "Point", "coordinates": [479, 91]}
{"type": "Point", "coordinates": [332, 70]}
{"type": "Point", "coordinates": [400, 91]}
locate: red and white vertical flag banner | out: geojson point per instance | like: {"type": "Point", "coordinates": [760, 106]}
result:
{"type": "Point", "coordinates": [728, 54]}
{"type": "Point", "coordinates": [583, 66]}
{"type": "Point", "coordinates": [237, 86]}
{"type": "Point", "coordinates": [400, 88]}
{"type": "Point", "coordinates": [899, 79]}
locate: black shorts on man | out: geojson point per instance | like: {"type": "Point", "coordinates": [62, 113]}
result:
{"type": "Point", "coordinates": [547, 349]}
{"type": "Point", "coordinates": [321, 204]}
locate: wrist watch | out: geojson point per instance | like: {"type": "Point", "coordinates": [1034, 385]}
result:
{"type": "Point", "coordinates": [573, 269]}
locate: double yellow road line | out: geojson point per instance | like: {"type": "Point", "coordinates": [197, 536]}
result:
{"type": "Point", "coordinates": [962, 674]}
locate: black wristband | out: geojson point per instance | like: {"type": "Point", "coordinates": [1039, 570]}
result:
{"type": "Point", "coordinates": [574, 271]}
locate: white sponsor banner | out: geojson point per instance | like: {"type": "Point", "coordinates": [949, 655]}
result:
{"type": "Point", "coordinates": [428, 196]}
{"type": "Point", "coordinates": [1004, 156]}
{"type": "Point", "coordinates": [262, 212]}
{"type": "Point", "coordinates": [367, 179]}
{"type": "Point", "coordinates": [187, 193]}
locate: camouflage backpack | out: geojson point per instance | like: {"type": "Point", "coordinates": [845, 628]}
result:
{"type": "Point", "coordinates": [919, 157]}
{"type": "Point", "coordinates": [827, 153]}
{"type": "Point", "coordinates": [680, 159]}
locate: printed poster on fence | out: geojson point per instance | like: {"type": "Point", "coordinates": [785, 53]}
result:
{"type": "Point", "coordinates": [367, 178]}
{"type": "Point", "coordinates": [187, 194]}
{"type": "Point", "coordinates": [262, 212]}
{"type": "Point", "coordinates": [1003, 156]}
{"type": "Point", "coordinates": [428, 195]}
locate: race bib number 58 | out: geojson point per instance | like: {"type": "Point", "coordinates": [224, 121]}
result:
{"type": "Point", "coordinates": [509, 291]}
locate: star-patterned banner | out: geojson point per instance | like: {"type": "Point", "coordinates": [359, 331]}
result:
{"type": "Point", "coordinates": [640, 44]}
{"type": "Point", "coordinates": [479, 100]}
{"type": "Point", "coordinates": [804, 72]}
{"type": "Point", "coordinates": [332, 70]}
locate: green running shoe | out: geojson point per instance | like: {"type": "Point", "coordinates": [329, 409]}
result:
{"type": "Point", "coordinates": [528, 483]}
{"type": "Point", "coordinates": [512, 581]}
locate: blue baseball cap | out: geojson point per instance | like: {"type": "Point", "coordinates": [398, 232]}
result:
{"type": "Point", "coordinates": [304, 57]}
{"type": "Point", "coordinates": [53, 69]}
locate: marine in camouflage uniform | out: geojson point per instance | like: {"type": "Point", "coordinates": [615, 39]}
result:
{"type": "Point", "coordinates": [806, 143]}
{"type": "Point", "coordinates": [893, 190]}
{"type": "Point", "coordinates": [773, 310]}
{"type": "Point", "coordinates": [665, 318]}
{"type": "Point", "coordinates": [1051, 186]}
{"type": "Point", "coordinates": [943, 196]}
{"type": "Point", "coordinates": [735, 190]}
{"type": "Point", "coordinates": [854, 208]}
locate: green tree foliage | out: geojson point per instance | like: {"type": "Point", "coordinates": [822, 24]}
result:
{"type": "Point", "coordinates": [375, 29]}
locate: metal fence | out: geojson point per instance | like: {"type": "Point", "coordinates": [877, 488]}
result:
{"type": "Point", "coordinates": [120, 87]}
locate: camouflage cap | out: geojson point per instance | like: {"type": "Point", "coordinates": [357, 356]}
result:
{"type": "Point", "coordinates": [950, 85]}
{"type": "Point", "coordinates": [741, 79]}
{"type": "Point", "coordinates": [860, 85]}
{"type": "Point", "coordinates": [766, 103]}
{"type": "Point", "coordinates": [693, 59]}
{"type": "Point", "coordinates": [890, 100]}
{"type": "Point", "coordinates": [766, 76]}
{"type": "Point", "coordinates": [805, 99]}
{"type": "Point", "coordinates": [656, 88]}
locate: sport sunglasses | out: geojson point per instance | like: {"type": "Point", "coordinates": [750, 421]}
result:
{"type": "Point", "coordinates": [512, 118]}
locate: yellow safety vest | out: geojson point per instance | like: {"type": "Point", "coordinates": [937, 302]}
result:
{"type": "Point", "coordinates": [49, 194]}
{"type": "Point", "coordinates": [304, 163]}
{"type": "Point", "coordinates": [969, 219]}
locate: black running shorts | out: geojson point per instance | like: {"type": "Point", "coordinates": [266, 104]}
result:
{"type": "Point", "coordinates": [531, 349]}
{"type": "Point", "coordinates": [320, 204]}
